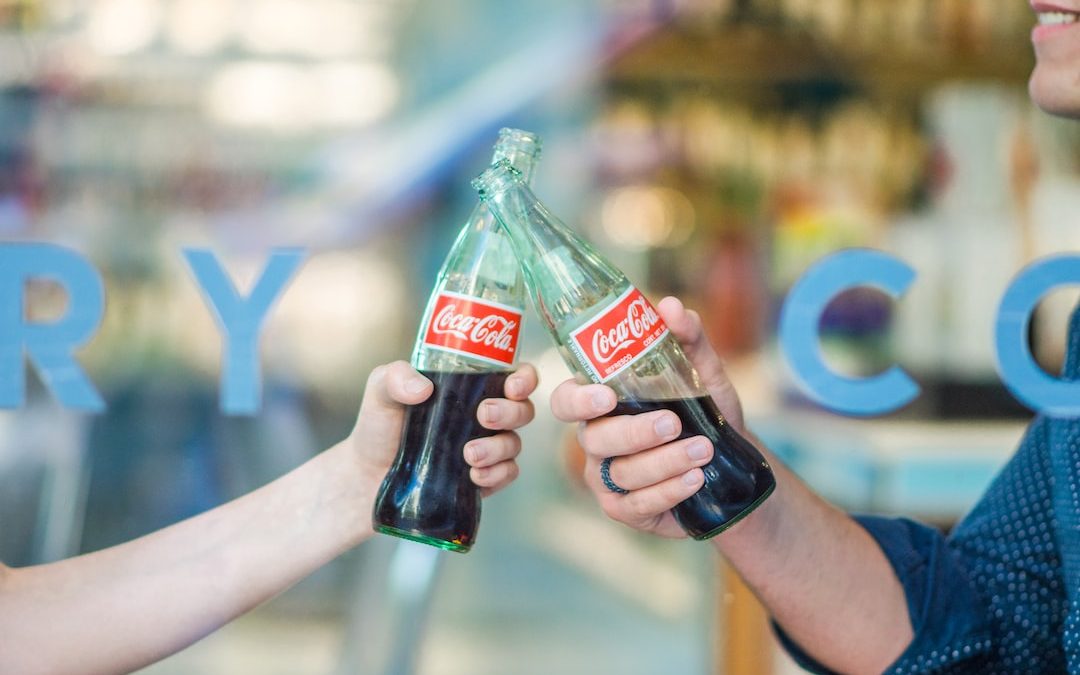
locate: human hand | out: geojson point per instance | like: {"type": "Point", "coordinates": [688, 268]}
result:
{"type": "Point", "coordinates": [392, 387]}
{"type": "Point", "coordinates": [657, 472]}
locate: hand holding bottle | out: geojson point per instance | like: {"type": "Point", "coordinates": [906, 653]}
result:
{"type": "Point", "coordinates": [394, 386]}
{"type": "Point", "coordinates": [658, 471]}
{"type": "Point", "coordinates": [466, 348]}
{"type": "Point", "coordinates": [609, 333]}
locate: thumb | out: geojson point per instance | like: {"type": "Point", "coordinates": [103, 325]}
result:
{"type": "Point", "coordinates": [390, 389]}
{"type": "Point", "coordinates": [685, 325]}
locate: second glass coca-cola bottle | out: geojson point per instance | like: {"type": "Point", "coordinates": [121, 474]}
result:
{"type": "Point", "coordinates": [466, 346]}
{"type": "Point", "coordinates": [608, 332]}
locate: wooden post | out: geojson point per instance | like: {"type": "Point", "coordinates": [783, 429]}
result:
{"type": "Point", "coordinates": [745, 643]}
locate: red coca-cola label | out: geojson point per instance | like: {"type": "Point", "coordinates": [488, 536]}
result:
{"type": "Point", "coordinates": [619, 335]}
{"type": "Point", "coordinates": [478, 328]}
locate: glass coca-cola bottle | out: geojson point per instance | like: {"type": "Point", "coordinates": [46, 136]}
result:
{"type": "Point", "coordinates": [466, 346]}
{"type": "Point", "coordinates": [608, 332]}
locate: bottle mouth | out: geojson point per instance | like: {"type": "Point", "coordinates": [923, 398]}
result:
{"type": "Point", "coordinates": [499, 177]}
{"type": "Point", "coordinates": [518, 141]}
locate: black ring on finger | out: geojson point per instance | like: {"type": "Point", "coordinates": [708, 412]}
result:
{"type": "Point", "coordinates": [605, 476]}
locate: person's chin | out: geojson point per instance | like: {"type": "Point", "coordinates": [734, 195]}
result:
{"type": "Point", "coordinates": [1055, 92]}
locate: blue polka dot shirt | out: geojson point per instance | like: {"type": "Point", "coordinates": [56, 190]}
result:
{"type": "Point", "coordinates": [999, 595]}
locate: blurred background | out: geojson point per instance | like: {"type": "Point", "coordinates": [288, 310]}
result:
{"type": "Point", "coordinates": [713, 148]}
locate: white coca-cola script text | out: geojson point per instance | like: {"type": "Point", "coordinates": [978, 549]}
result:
{"type": "Point", "coordinates": [640, 320]}
{"type": "Point", "coordinates": [491, 330]}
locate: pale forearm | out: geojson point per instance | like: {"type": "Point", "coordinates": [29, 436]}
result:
{"type": "Point", "coordinates": [120, 608]}
{"type": "Point", "coordinates": [822, 577]}
{"type": "Point", "coordinates": [116, 610]}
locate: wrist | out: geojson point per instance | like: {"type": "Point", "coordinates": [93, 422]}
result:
{"type": "Point", "coordinates": [358, 483]}
{"type": "Point", "coordinates": [758, 531]}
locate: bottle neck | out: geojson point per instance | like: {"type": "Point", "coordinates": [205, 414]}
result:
{"type": "Point", "coordinates": [522, 159]}
{"type": "Point", "coordinates": [565, 276]}
{"type": "Point", "coordinates": [510, 201]}
{"type": "Point", "coordinates": [520, 148]}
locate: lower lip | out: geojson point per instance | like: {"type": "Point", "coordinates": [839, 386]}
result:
{"type": "Point", "coordinates": [1044, 32]}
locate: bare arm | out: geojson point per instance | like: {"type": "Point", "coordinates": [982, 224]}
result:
{"type": "Point", "coordinates": [124, 607]}
{"type": "Point", "coordinates": [820, 575]}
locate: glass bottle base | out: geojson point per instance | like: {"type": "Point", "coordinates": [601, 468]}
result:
{"type": "Point", "coordinates": [423, 539]}
{"type": "Point", "coordinates": [745, 512]}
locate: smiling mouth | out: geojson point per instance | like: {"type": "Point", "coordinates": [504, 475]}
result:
{"type": "Point", "coordinates": [1057, 18]}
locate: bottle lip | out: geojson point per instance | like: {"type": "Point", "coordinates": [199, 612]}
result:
{"type": "Point", "coordinates": [520, 140]}
{"type": "Point", "coordinates": [498, 177]}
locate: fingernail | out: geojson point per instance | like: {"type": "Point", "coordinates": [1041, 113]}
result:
{"type": "Point", "coordinates": [477, 452]}
{"type": "Point", "coordinates": [514, 387]}
{"type": "Point", "coordinates": [491, 413]}
{"type": "Point", "coordinates": [698, 450]}
{"type": "Point", "coordinates": [665, 426]}
{"type": "Point", "coordinates": [415, 385]}
{"type": "Point", "coordinates": [692, 477]}
{"type": "Point", "coordinates": [600, 400]}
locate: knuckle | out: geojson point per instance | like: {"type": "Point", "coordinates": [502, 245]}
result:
{"type": "Point", "coordinates": [528, 411]}
{"type": "Point", "coordinates": [512, 471]}
{"type": "Point", "coordinates": [637, 506]}
{"type": "Point", "coordinates": [586, 437]}
{"type": "Point", "coordinates": [612, 508]}
{"type": "Point", "coordinates": [377, 374]}
{"type": "Point", "coordinates": [398, 368]}
{"type": "Point", "coordinates": [640, 432]}
{"type": "Point", "coordinates": [489, 475]}
{"type": "Point", "coordinates": [695, 318]}
{"type": "Point", "coordinates": [616, 472]}
{"type": "Point", "coordinates": [513, 445]}
{"type": "Point", "coordinates": [563, 403]}
{"type": "Point", "coordinates": [675, 490]}
{"type": "Point", "coordinates": [580, 404]}
{"type": "Point", "coordinates": [581, 435]}
{"type": "Point", "coordinates": [527, 373]}
{"type": "Point", "coordinates": [674, 461]}
{"type": "Point", "coordinates": [590, 474]}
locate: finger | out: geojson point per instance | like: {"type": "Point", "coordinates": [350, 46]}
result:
{"type": "Point", "coordinates": [491, 479]}
{"type": "Point", "coordinates": [659, 464]}
{"type": "Point", "coordinates": [483, 452]}
{"type": "Point", "coordinates": [391, 387]}
{"type": "Point", "coordinates": [521, 383]}
{"type": "Point", "coordinates": [649, 504]}
{"type": "Point", "coordinates": [500, 413]}
{"type": "Point", "coordinates": [397, 384]}
{"type": "Point", "coordinates": [686, 326]}
{"type": "Point", "coordinates": [627, 434]}
{"type": "Point", "coordinates": [573, 402]}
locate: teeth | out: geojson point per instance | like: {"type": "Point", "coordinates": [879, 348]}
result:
{"type": "Point", "coordinates": [1056, 18]}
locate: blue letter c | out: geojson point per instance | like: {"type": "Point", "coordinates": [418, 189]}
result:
{"type": "Point", "coordinates": [1018, 370]}
{"type": "Point", "coordinates": [801, 316]}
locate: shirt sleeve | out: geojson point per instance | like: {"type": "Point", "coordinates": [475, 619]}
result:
{"type": "Point", "coordinates": [950, 623]}
{"type": "Point", "coordinates": [991, 598]}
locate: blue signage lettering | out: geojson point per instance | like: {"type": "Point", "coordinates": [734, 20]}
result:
{"type": "Point", "coordinates": [241, 320]}
{"type": "Point", "coordinates": [49, 345]}
{"type": "Point", "coordinates": [1018, 370]}
{"type": "Point", "coordinates": [799, 321]}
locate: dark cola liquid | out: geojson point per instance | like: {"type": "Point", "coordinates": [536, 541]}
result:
{"type": "Point", "coordinates": [427, 495]}
{"type": "Point", "coordinates": [737, 478]}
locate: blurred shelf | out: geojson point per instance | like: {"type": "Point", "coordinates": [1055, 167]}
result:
{"type": "Point", "coordinates": [755, 56]}
{"type": "Point", "coordinates": [20, 54]}
{"type": "Point", "coordinates": [931, 470]}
